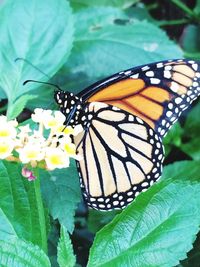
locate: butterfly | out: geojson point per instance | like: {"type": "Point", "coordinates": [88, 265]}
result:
{"type": "Point", "coordinates": [125, 118]}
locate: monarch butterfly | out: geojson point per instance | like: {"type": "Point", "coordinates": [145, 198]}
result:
{"type": "Point", "coordinates": [124, 118]}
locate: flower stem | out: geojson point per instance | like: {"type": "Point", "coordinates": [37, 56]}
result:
{"type": "Point", "coordinates": [184, 7]}
{"type": "Point", "coordinates": [163, 23]}
{"type": "Point", "coordinates": [41, 214]}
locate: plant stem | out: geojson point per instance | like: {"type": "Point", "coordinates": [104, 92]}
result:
{"type": "Point", "coordinates": [41, 214]}
{"type": "Point", "coordinates": [163, 23]}
{"type": "Point", "coordinates": [182, 6]}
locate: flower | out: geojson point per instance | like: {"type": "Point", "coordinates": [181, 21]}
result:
{"type": "Point", "coordinates": [68, 130]}
{"type": "Point", "coordinates": [6, 148]}
{"type": "Point", "coordinates": [31, 152]}
{"type": "Point", "coordinates": [69, 148]}
{"type": "Point", "coordinates": [28, 174]}
{"type": "Point", "coordinates": [48, 145]}
{"type": "Point", "coordinates": [40, 115]}
{"type": "Point", "coordinates": [56, 158]}
{"type": "Point", "coordinates": [7, 128]}
{"type": "Point", "coordinates": [65, 130]}
{"type": "Point", "coordinates": [25, 129]}
{"type": "Point", "coordinates": [55, 121]}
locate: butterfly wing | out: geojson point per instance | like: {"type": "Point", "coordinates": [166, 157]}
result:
{"type": "Point", "coordinates": [121, 156]}
{"type": "Point", "coordinates": [129, 113]}
{"type": "Point", "coordinates": [157, 93]}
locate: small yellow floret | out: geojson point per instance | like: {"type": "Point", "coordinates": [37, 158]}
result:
{"type": "Point", "coordinates": [65, 130]}
{"type": "Point", "coordinates": [30, 152]}
{"type": "Point", "coordinates": [4, 133]}
{"type": "Point", "coordinates": [56, 158]}
{"type": "Point", "coordinates": [6, 148]}
{"type": "Point", "coordinates": [7, 130]}
{"type": "Point", "coordinates": [70, 148]}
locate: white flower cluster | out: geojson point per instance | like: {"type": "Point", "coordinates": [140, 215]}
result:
{"type": "Point", "coordinates": [48, 146]}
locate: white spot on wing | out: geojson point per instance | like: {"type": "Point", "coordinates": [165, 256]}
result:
{"type": "Point", "coordinates": [167, 74]}
{"type": "Point", "coordinates": [168, 67]}
{"type": "Point", "coordinates": [174, 87]}
{"type": "Point", "coordinates": [195, 84]}
{"type": "Point", "coordinates": [145, 68]}
{"type": "Point", "coordinates": [149, 73]}
{"type": "Point", "coordinates": [169, 114]}
{"type": "Point", "coordinates": [195, 66]}
{"type": "Point", "coordinates": [159, 65]}
{"type": "Point", "coordinates": [135, 76]}
{"type": "Point", "coordinates": [155, 81]}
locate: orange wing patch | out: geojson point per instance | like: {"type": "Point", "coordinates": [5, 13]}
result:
{"type": "Point", "coordinates": [118, 90]}
{"type": "Point", "coordinates": [158, 94]}
{"type": "Point", "coordinates": [148, 100]}
{"type": "Point", "coordinates": [132, 96]}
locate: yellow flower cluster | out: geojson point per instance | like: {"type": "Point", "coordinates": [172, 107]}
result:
{"type": "Point", "coordinates": [49, 145]}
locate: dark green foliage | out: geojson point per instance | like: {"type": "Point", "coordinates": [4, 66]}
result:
{"type": "Point", "coordinates": [61, 194]}
{"type": "Point", "coordinates": [74, 43]}
{"type": "Point", "coordinates": [144, 234]}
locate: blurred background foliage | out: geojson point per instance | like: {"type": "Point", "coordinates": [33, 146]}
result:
{"type": "Point", "coordinates": [73, 44]}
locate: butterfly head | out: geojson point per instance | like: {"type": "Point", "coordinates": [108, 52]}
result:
{"type": "Point", "coordinates": [70, 105]}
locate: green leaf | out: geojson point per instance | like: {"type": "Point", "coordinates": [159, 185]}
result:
{"type": "Point", "coordinates": [192, 148]}
{"type": "Point", "coordinates": [157, 229]}
{"type": "Point", "coordinates": [77, 4]}
{"type": "Point", "coordinates": [65, 251]}
{"type": "Point", "coordinates": [190, 139]}
{"type": "Point", "coordinates": [19, 253]}
{"type": "Point", "coordinates": [53, 239]}
{"type": "Point", "coordinates": [197, 7]}
{"type": "Point", "coordinates": [22, 36]}
{"type": "Point", "coordinates": [6, 229]}
{"type": "Point", "coordinates": [190, 38]}
{"type": "Point", "coordinates": [98, 219]}
{"type": "Point", "coordinates": [19, 105]}
{"type": "Point", "coordinates": [46, 100]}
{"type": "Point", "coordinates": [15, 251]}
{"type": "Point", "coordinates": [180, 169]}
{"type": "Point", "coordinates": [61, 192]}
{"type": "Point", "coordinates": [192, 124]}
{"type": "Point", "coordinates": [173, 138]}
{"type": "Point", "coordinates": [103, 47]}
{"type": "Point", "coordinates": [140, 12]}
{"type": "Point", "coordinates": [18, 202]}
{"type": "Point", "coordinates": [193, 258]}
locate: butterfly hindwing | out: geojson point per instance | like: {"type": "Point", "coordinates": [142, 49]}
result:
{"type": "Point", "coordinates": [121, 156]}
{"type": "Point", "coordinates": [157, 93]}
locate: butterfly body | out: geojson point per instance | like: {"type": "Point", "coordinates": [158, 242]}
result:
{"type": "Point", "coordinates": [71, 105]}
{"type": "Point", "coordinates": [124, 118]}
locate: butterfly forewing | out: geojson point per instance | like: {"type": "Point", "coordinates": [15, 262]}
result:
{"type": "Point", "coordinates": [157, 93]}
{"type": "Point", "coordinates": [121, 156]}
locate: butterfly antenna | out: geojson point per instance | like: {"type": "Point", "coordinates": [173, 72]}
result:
{"type": "Point", "coordinates": [33, 81]}
{"type": "Point", "coordinates": [28, 62]}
